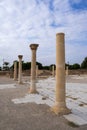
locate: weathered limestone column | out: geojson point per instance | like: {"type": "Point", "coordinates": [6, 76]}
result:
{"type": "Point", "coordinates": [33, 69]}
{"type": "Point", "coordinates": [53, 71]}
{"type": "Point", "coordinates": [60, 103]}
{"type": "Point", "coordinates": [67, 71]}
{"type": "Point", "coordinates": [15, 70]}
{"type": "Point", "coordinates": [36, 71]}
{"type": "Point", "coordinates": [20, 69]}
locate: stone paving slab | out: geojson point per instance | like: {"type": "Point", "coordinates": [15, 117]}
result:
{"type": "Point", "coordinates": [6, 86]}
{"type": "Point", "coordinates": [76, 119]}
{"type": "Point", "coordinates": [75, 95]}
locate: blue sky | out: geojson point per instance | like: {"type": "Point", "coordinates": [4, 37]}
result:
{"type": "Point", "coordinates": [23, 22]}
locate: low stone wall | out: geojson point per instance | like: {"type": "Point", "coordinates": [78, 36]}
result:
{"type": "Point", "coordinates": [40, 72]}
{"type": "Point", "coordinates": [2, 73]}
{"type": "Point", "coordinates": [6, 73]}
{"type": "Point", "coordinates": [26, 72]}
{"type": "Point", "coordinates": [43, 72]}
{"type": "Point", "coordinates": [78, 72]}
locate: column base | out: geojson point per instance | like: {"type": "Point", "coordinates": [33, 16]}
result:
{"type": "Point", "coordinates": [20, 82]}
{"type": "Point", "coordinates": [33, 91]}
{"type": "Point", "coordinates": [60, 110]}
{"type": "Point", "coordinates": [15, 79]}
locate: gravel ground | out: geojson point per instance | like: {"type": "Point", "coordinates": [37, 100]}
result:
{"type": "Point", "coordinates": [29, 116]}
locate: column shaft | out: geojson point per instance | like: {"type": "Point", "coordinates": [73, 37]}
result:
{"type": "Point", "coordinates": [36, 71]}
{"type": "Point", "coordinates": [53, 71]}
{"type": "Point", "coordinates": [67, 71]}
{"type": "Point", "coordinates": [15, 70]}
{"type": "Point", "coordinates": [60, 103]}
{"type": "Point", "coordinates": [20, 70]}
{"type": "Point", "coordinates": [60, 69]}
{"type": "Point", "coordinates": [33, 69]}
{"type": "Point", "coordinates": [33, 65]}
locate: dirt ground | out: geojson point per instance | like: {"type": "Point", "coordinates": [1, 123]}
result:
{"type": "Point", "coordinates": [29, 116]}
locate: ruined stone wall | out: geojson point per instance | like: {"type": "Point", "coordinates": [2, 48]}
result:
{"type": "Point", "coordinates": [6, 73]}
{"type": "Point", "coordinates": [78, 72]}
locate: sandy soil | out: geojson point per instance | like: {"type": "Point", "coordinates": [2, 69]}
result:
{"type": "Point", "coordinates": [29, 116]}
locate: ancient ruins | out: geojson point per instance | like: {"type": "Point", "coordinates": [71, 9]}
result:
{"type": "Point", "coordinates": [20, 69]}
{"type": "Point", "coordinates": [54, 87]}
{"type": "Point", "coordinates": [33, 68]}
{"type": "Point", "coordinates": [60, 103]}
{"type": "Point", "coordinates": [15, 70]}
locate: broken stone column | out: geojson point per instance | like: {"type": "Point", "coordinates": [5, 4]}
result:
{"type": "Point", "coordinates": [53, 71]}
{"type": "Point", "coordinates": [67, 71]}
{"type": "Point", "coordinates": [60, 103]}
{"type": "Point", "coordinates": [15, 70]}
{"type": "Point", "coordinates": [20, 69]}
{"type": "Point", "coordinates": [33, 69]}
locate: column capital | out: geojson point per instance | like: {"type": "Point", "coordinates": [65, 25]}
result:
{"type": "Point", "coordinates": [20, 56]}
{"type": "Point", "coordinates": [60, 34]}
{"type": "Point", "coordinates": [34, 46]}
{"type": "Point", "coordinates": [15, 61]}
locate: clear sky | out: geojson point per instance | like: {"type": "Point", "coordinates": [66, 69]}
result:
{"type": "Point", "coordinates": [23, 22]}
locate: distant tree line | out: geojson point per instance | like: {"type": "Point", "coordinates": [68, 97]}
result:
{"type": "Point", "coordinates": [27, 65]}
{"type": "Point", "coordinates": [78, 66]}
{"type": "Point", "coordinates": [5, 66]}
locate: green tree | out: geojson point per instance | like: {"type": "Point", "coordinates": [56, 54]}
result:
{"type": "Point", "coordinates": [52, 66]}
{"type": "Point", "coordinates": [76, 66]}
{"type": "Point", "coordinates": [46, 67]}
{"type": "Point", "coordinates": [39, 65]}
{"type": "Point", "coordinates": [70, 67]}
{"type": "Point", "coordinates": [84, 63]}
{"type": "Point", "coordinates": [12, 67]}
{"type": "Point", "coordinates": [0, 68]}
{"type": "Point", "coordinates": [5, 65]}
{"type": "Point", "coordinates": [26, 66]}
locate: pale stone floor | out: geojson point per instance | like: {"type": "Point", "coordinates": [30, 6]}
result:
{"type": "Point", "coordinates": [76, 96]}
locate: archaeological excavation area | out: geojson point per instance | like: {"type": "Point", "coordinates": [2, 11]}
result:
{"type": "Point", "coordinates": [55, 101]}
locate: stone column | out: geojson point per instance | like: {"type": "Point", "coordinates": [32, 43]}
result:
{"type": "Point", "coordinates": [60, 103]}
{"type": "Point", "coordinates": [20, 69]}
{"type": "Point", "coordinates": [53, 71]}
{"type": "Point", "coordinates": [36, 71]}
{"type": "Point", "coordinates": [33, 69]}
{"type": "Point", "coordinates": [67, 71]}
{"type": "Point", "coordinates": [15, 70]}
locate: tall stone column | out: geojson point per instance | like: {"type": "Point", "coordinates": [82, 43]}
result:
{"type": "Point", "coordinates": [20, 69]}
{"type": "Point", "coordinates": [15, 70]}
{"type": "Point", "coordinates": [53, 71]}
{"type": "Point", "coordinates": [60, 103]}
{"type": "Point", "coordinates": [33, 69]}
